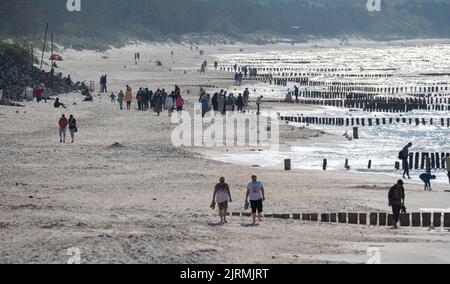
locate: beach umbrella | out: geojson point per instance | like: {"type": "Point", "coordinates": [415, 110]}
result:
{"type": "Point", "coordinates": [56, 57]}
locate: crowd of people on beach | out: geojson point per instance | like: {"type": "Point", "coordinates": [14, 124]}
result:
{"type": "Point", "coordinates": [222, 102]}
{"type": "Point", "coordinates": [149, 100]}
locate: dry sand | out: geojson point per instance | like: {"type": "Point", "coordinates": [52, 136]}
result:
{"type": "Point", "coordinates": [148, 202]}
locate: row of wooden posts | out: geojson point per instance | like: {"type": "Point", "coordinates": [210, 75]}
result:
{"type": "Point", "coordinates": [355, 121]}
{"type": "Point", "coordinates": [303, 77]}
{"type": "Point", "coordinates": [428, 161]}
{"type": "Point", "coordinates": [422, 161]}
{"type": "Point", "coordinates": [375, 106]}
{"type": "Point", "coordinates": [353, 96]}
{"type": "Point", "coordinates": [373, 219]}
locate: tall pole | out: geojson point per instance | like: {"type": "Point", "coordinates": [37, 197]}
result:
{"type": "Point", "coordinates": [43, 48]}
{"type": "Point", "coordinates": [52, 51]}
{"type": "Point", "coordinates": [32, 66]}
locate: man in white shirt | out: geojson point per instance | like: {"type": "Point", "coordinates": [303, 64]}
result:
{"type": "Point", "coordinates": [256, 196]}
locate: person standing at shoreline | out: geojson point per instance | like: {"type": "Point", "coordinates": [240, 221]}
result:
{"type": "Point", "coordinates": [255, 196]}
{"type": "Point", "coordinates": [404, 156]}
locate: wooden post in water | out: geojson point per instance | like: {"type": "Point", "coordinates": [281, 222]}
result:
{"type": "Point", "coordinates": [287, 164]}
{"type": "Point", "coordinates": [428, 164]}
{"type": "Point", "coordinates": [355, 133]}
{"type": "Point", "coordinates": [325, 162]}
{"type": "Point", "coordinates": [370, 164]}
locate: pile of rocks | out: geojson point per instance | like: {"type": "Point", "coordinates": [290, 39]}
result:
{"type": "Point", "coordinates": [16, 75]}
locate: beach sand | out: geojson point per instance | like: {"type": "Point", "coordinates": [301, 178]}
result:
{"type": "Point", "coordinates": [148, 202]}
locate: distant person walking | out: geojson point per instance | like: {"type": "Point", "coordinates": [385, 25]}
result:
{"type": "Point", "coordinates": [426, 178]}
{"type": "Point", "coordinates": [258, 104]}
{"type": "Point", "coordinates": [63, 122]}
{"type": "Point", "coordinates": [222, 195]}
{"type": "Point", "coordinates": [113, 98]}
{"type": "Point", "coordinates": [120, 99]}
{"type": "Point", "coordinates": [180, 103]}
{"type": "Point", "coordinates": [128, 97]}
{"type": "Point", "coordinates": [104, 83]}
{"type": "Point", "coordinates": [240, 103]}
{"type": "Point", "coordinates": [404, 156]}
{"type": "Point", "coordinates": [256, 196]}
{"type": "Point", "coordinates": [397, 201]}
{"type": "Point", "coordinates": [246, 98]}
{"type": "Point", "coordinates": [73, 128]}
{"type": "Point", "coordinates": [169, 104]}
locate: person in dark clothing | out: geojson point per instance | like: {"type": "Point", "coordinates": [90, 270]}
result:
{"type": "Point", "coordinates": [404, 157]}
{"type": "Point", "coordinates": [296, 93]}
{"type": "Point", "coordinates": [58, 104]}
{"type": "Point", "coordinates": [397, 201]}
{"type": "Point", "coordinates": [426, 178]}
{"type": "Point", "coordinates": [215, 102]}
{"type": "Point", "coordinates": [72, 127]}
{"type": "Point", "coordinates": [240, 103]}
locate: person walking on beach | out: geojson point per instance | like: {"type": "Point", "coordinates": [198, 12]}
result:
{"type": "Point", "coordinates": [426, 178]}
{"type": "Point", "coordinates": [258, 104]}
{"type": "Point", "coordinates": [180, 103]}
{"type": "Point", "coordinates": [255, 196]}
{"type": "Point", "coordinates": [221, 102]}
{"type": "Point", "coordinates": [222, 195]}
{"type": "Point", "coordinates": [120, 99]}
{"type": "Point", "coordinates": [113, 98]}
{"type": "Point", "coordinates": [246, 98]}
{"type": "Point", "coordinates": [139, 99]}
{"type": "Point", "coordinates": [205, 105]}
{"type": "Point", "coordinates": [215, 103]}
{"type": "Point", "coordinates": [240, 103]}
{"type": "Point", "coordinates": [404, 156]}
{"type": "Point", "coordinates": [63, 122]}
{"type": "Point", "coordinates": [397, 201]}
{"type": "Point", "coordinates": [169, 104]}
{"type": "Point", "coordinates": [128, 98]}
{"type": "Point", "coordinates": [158, 103]}
{"type": "Point", "coordinates": [231, 103]}
{"type": "Point", "coordinates": [73, 128]}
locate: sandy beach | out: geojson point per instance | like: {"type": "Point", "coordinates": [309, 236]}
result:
{"type": "Point", "coordinates": [148, 201]}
